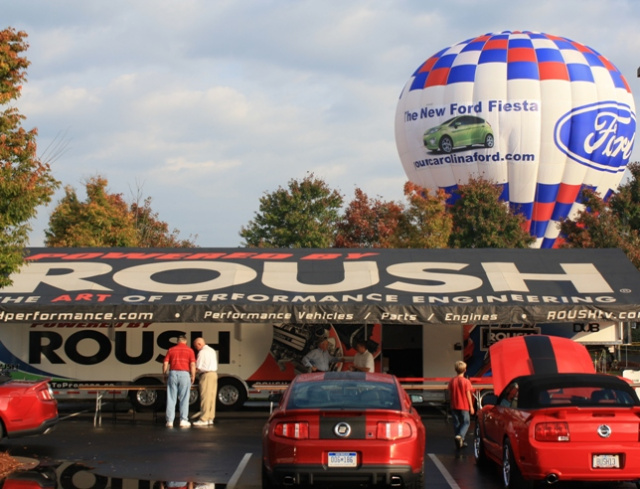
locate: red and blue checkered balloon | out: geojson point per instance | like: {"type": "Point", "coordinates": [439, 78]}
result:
{"type": "Point", "coordinates": [541, 115]}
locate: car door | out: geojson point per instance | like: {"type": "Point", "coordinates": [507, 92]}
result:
{"type": "Point", "coordinates": [499, 417]}
{"type": "Point", "coordinates": [463, 131]}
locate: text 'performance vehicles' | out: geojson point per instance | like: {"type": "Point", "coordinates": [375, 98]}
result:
{"type": "Point", "coordinates": [344, 428]}
{"type": "Point", "coordinates": [556, 422]}
{"type": "Point", "coordinates": [26, 408]}
{"type": "Point", "coordinates": [465, 130]}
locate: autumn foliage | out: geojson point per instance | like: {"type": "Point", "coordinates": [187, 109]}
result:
{"type": "Point", "coordinates": [105, 219]}
{"type": "Point", "coordinates": [25, 180]}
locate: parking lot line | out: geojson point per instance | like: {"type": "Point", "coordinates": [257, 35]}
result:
{"type": "Point", "coordinates": [445, 473]}
{"type": "Point", "coordinates": [236, 475]}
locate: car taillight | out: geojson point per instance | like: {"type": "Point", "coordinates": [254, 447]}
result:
{"type": "Point", "coordinates": [393, 430]}
{"type": "Point", "coordinates": [297, 430]}
{"type": "Point", "coordinates": [552, 432]}
{"type": "Point", "coordinates": [46, 394]}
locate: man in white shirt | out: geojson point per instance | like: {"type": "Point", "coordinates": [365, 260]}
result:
{"type": "Point", "coordinates": [363, 360]}
{"type": "Point", "coordinates": [207, 368]}
{"type": "Point", "coordinates": [319, 359]}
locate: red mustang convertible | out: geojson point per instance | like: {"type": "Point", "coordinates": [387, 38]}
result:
{"type": "Point", "coordinates": [560, 421]}
{"type": "Point", "coordinates": [344, 427]}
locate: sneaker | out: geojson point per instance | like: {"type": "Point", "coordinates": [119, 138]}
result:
{"type": "Point", "coordinates": [201, 422]}
{"type": "Point", "coordinates": [185, 424]}
{"type": "Point", "coordinates": [458, 441]}
{"type": "Point", "coordinates": [211, 422]}
{"type": "Point", "coordinates": [169, 425]}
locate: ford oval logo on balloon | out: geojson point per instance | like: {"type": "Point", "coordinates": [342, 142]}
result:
{"type": "Point", "coordinates": [541, 115]}
{"type": "Point", "coordinates": [600, 136]}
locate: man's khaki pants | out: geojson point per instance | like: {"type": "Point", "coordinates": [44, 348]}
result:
{"type": "Point", "coordinates": [208, 385]}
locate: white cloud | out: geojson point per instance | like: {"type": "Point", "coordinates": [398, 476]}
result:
{"type": "Point", "coordinates": [211, 104]}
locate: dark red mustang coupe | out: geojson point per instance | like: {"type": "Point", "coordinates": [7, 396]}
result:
{"type": "Point", "coordinates": [555, 418]}
{"type": "Point", "coordinates": [344, 427]}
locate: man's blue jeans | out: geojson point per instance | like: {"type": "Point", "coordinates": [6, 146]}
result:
{"type": "Point", "coordinates": [461, 421]}
{"type": "Point", "coordinates": [178, 386]}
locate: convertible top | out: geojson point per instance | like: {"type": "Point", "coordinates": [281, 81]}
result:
{"type": "Point", "coordinates": [532, 386]}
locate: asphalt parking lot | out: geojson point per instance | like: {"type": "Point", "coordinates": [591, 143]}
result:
{"type": "Point", "coordinates": [138, 447]}
{"type": "Point", "coordinates": [136, 451]}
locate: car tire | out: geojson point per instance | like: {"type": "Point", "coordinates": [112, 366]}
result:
{"type": "Point", "coordinates": [446, 144]}
{"type": "Point", "coordinates": [511, 476]}
{"type": "Point", "coordinates": [419, 482]}
{"type": "Point", "coordinates": [478, 448]}
{"type": "Point", "coordinates": [231, 394]}
{"type": "Point", "coordinates": [489, 141]}
{"type": "Point", "coordinates": [267, 483]}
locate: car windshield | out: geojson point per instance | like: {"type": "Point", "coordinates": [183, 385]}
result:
{"type": "Point", "coordinates": [344, 395]}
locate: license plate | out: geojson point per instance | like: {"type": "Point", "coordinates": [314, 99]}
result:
{"type": "Point", "coordinates": [606, 462]}
{"type": "Point", "coordinates": [343, 459]}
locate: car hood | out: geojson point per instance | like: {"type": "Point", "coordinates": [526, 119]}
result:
{"type": "Point", "coordinates": [536, 354]}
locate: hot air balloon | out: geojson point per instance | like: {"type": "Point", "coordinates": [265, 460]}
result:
{"type": "Point", "coordinates": [540, 115]}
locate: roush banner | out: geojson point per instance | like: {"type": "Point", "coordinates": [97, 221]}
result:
{"type": "Point", "coordinates": [319, 286]}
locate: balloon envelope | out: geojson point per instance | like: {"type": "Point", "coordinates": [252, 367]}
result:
{"type": "Point", "coordinates": [541, 115]}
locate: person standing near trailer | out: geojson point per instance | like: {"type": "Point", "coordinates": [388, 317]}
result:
{"type": "Point", "coordinates": [207, 369]}
{"type": "Point", "coordinates": [179, 370]}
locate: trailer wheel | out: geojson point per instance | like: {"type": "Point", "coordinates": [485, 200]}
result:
{"type": "Point", "coordinates": [231, 394]}
{"type": "Point", "coordinates": [194, 397]}
{"type": "Point", "coordinates": [147, 399]}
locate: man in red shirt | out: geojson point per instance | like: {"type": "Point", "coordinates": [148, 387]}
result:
{"type": "Point", "coordinates": [461, 396]}
{"type": "Point", "coordinates": [179, 369]}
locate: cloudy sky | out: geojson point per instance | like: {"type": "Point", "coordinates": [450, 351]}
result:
{"type": "Point", "coordinates": [205, 105]}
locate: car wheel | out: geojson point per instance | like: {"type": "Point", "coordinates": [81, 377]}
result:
{"type": "Point", "coordinates": [488, 141]}
{"type": "Point", "coordinates": [478, 447]}
{"type": "Point", "coordinates": [267, 483]}
{"type": "Point", "coordinates": [511, 476]}
{"type": "Point", "coordinates": [419, 482]}
{"type": "Point", "coordinates": [231, 394]}
{"type": "Point", "coordinates": [147, 399]}
{"type": "Point", "coordinates": [446, 144]}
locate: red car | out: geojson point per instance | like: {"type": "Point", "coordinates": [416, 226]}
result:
{"type": "Point", "coordinates": [344, 427]}
{"type": "Point", "coordinates": [560, 421]}
{"type": "Point", "coordinates": [26, 408]}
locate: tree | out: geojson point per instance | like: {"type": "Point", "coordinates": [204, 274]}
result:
{"type": "Point", "coordinates": [25, 180]}
{"type": "Point", "coordinates": [303, 216]}
{"type": "Point", "coordinates": [103, 220]}
{"type": "Point", "coordinates": [613, 225]}
{"type": "Point", "coordinates": [152, 232]}
{"type": "Point", "coordinates": [625, 203]}
{"type": "Point", "coordinates": [481, 220]}
{"type": "Point", "coordinates": [425, 221]}
{"type": "Point", "coordinates": [368, 223]}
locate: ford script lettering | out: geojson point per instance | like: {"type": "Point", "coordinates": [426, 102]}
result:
{"type": "Point", "coordinates": [600, 135]}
